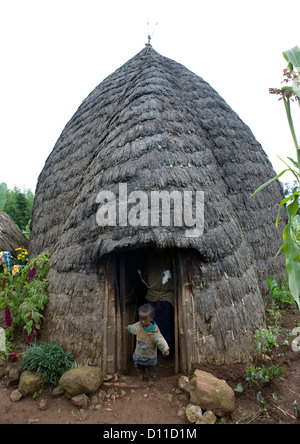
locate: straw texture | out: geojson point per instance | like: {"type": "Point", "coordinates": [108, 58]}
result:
{"type": "Point", "coordinates": [155, 125]}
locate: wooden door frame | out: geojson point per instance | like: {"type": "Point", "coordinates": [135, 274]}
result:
{"type": "Point", "coordinates": [115, 339]}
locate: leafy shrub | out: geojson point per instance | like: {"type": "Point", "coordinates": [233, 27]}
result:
{"type": "Point", "coordinates": [49, 361]}
{"type": "Point", "coordinates": [280, 295]}
{"type": "Point", "coordinates": [266, 339]}
{"type": "Point", "coordinates": [25, 294]}
{"type": "Point", "coordinates": [261, 375]}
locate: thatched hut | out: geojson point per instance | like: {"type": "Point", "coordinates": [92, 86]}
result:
{"type": "Point", "coordinates": [153, 125]}
{"type": "Point", "coordinates": [11, 237]}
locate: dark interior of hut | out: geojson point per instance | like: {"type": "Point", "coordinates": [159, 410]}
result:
{"type": "Point", "coordinates": [142, 274]}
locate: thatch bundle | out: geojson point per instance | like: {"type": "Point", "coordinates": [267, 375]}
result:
{"type": "Point", "coordinates": [155, 125]}
{"type": "Point", "coordinates": [11, 237]}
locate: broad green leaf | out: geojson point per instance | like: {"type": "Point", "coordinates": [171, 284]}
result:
{"type": "Point", "coordinates": [284, 201]}
{"type": "Point", "coordinates": [292, 253]}
{"type": "Point", "coordinates": [292, 56]}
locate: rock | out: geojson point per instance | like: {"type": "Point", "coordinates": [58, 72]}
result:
{"type": "Point", "coordinates": [14, 376]}
{"type": "Point", "coordinates": [193, 413]}
{"type": "Point", "coordinates": [80, 401]}
{"type": "Point", "coordinates": [81, 380]}
{"type": "Point", "coordinates": [3, 368]}
{"type": "Point", "coordinates": [16, 395]}
{"type": "Point", "coordinates": [107, 378]}
{"type": "Point", "coordinates": [43, 404]}
{"type": "Point", "coordinates": [211, 393]}
{"type": "Point", "coordinates": [207, 418]}
{"type": "Point", "coordinates": [183, 382]}
{"type": "Point", "coordinates": [181, 413]}
{"type": "Point", "coordinates": [30, 383]}
{"type": "Point", "coordinates": [57, 391]}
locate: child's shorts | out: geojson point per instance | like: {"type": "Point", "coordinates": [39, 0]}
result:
{"type": "Point", "coordinates": [150, 363]}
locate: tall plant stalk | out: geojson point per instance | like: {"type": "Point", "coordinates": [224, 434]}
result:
{"type": "Point", "coordinates": [291, 248]}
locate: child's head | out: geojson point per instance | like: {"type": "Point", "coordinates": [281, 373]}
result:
{"type": "Point", "coordinates": [146, 315]}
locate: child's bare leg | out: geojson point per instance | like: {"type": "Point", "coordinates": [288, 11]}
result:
{"type": "Point", "coordinates": [141, 372]}
{"type": "Point", "coordinates": [151, 375]}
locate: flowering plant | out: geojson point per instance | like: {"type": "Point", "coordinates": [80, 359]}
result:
{"type": "Point", "coordinates": [24, 295]}
{"type": "Point", "coordinates": [22, 256]}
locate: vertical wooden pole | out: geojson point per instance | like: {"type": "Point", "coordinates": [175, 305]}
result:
{"type": "Point", "coordinates": [175, 280]}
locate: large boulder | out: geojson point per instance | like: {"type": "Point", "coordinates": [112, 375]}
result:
{"type": "Point", "coordinates": [30, 383]}
{"type": "Point", "coordinates": [81, 380]}
{"type": "Point", "coordinates": [211, 393]}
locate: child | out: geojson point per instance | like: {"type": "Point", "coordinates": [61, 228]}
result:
{"type": "Point", "coordinates": [148, 339]}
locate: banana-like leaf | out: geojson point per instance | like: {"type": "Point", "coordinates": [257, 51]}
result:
{"type": "Point", "coordinates": [3, 191]}
{"type": "Point", "coordinates": [284, 201]}
{"type": "Point", "coordinates": [292, 253]}
{"type": "Point", "coordinates": [292, 56]}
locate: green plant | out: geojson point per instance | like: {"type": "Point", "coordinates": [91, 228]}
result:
{"type": "Point", "coordinates": [253, 416]}
{"type": "Point", "coordinates": [49, 361]}
{"type": "Point", "coordinates": [266, 339]}
{"type": "Point", "coordinates": [291, 247]}
{"type": "Point", "coordinates": [25, 294]}
{"type": "Point", "coordinates": [280, 296]}
{"type": "Point", "coordinates": [261, 375]}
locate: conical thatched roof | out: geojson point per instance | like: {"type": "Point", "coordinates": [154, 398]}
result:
{"type": "Point", "coordinates": [153, 125]}
{"type": "Point", "coordinates": [11, 237]}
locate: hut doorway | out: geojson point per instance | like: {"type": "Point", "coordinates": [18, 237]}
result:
{"type": "Point", "coordinates": [126, 289]}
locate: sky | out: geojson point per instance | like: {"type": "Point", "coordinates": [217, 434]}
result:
{"type": "Point", "coordinates": [55, 52]}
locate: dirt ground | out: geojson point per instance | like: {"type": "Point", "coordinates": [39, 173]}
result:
{"type": "Point", "coordinates": [130, 401]}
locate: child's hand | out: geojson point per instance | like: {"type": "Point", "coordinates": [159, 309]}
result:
{"type": "Point", "coordinates": [125, 328]}
{"type": "Point", "coordinates": [167, 353]}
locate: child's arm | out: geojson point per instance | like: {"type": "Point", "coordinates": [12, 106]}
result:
{"type": "Point", "coordinates": [162, 344]}
{"type": "Point", "coordinates": [131, 328]}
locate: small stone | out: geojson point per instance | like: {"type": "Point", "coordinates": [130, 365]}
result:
{"type": "Point", "coordinates": [80, 401]}
{"type": "Point", "coordinates": [107, 378]}
{"type": "Point", "coordinates": [16, 395]}
{"type": "Point", "coordinates": [43, 404]}
{"type": "Point", "coordinates": [181, 413]}
{"type": "Point", "coordinates": [208, 418]}
{"type": "Point", "coordinates": [57, 391]}
{"type": "Point", "coordinates": [193, 413]}
{"type": "Point", "coordinates": [183, 382]}
{"type": "Point", "coordinates": [14, 376]}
